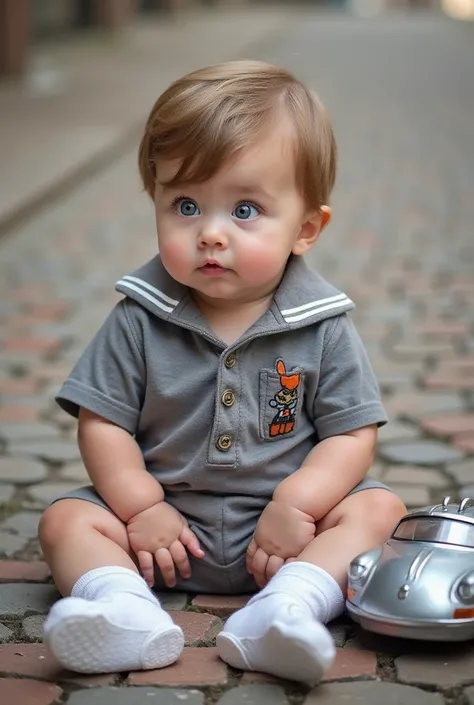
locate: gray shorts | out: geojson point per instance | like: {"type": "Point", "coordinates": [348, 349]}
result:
{"type": "Point", "coordinates": [224, 526]}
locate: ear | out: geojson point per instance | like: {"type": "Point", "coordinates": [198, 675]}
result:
{"type": "Point", "coordinates": [311, 230]}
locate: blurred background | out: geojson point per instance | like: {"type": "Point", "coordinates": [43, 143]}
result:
{"type": "Point", "coordinates": [77, 79]}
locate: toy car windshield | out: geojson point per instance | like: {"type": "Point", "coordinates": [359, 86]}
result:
{"type": "Point", "coordinates": [437, 530]}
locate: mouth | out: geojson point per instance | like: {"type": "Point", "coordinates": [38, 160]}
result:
{"type": "Point", "coordinates": [212, 268]}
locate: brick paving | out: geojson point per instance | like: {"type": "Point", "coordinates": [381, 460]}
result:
{"type": "Point", "coordinates": [401, 245]}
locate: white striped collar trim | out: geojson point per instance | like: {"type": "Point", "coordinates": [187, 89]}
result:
{"type": "Point", "coordinates": [142, 287]}
{"type": "Point", "coordinates": [292, 315]}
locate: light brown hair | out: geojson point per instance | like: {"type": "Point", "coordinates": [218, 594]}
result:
{"type": "Point", "coordinates": [208, 115]}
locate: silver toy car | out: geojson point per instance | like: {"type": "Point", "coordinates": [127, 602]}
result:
{"type": "Point", "coordinates": [420, 583]}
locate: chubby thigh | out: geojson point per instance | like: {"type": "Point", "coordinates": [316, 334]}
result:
{"type": "Point", "coordinates": [224, 527]}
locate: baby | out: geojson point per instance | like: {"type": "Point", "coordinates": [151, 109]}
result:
{"type": "Point", "coordinates": [227, 410]}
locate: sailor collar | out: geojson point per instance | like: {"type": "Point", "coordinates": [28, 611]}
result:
{"type": "Point", "coordinates": [302, 298]}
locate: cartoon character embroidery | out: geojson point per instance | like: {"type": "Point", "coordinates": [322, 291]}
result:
{"type": "Point", "coordinates": [286, 401]}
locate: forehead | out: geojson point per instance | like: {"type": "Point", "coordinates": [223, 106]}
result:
{"type": "Point", "coordinates": [269, 164]}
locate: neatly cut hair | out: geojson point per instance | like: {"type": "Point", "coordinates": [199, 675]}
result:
{"type": "Point", "coordinates": [210, 114]}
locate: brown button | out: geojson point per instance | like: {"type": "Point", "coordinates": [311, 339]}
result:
{"type": "Point", "coordinates": [224, 442]}
{"type": "Point", "coordinates": [230, 360]}
{"type": "Point", "coordinates": [228, 397]}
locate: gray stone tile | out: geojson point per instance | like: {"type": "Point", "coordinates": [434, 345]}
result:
{"type": "Point", "coordinates": [415, 476]}
{"type": "Point", "coordinates": [419, 453]}
{"type": "Point", "coordinates": [172, 601]}
{"type": "Point", "coordinates": [10, 544]}
{"type": "Point", "coordinates": [5, 634]}
{"type": "Point", "coordinates": [463, 472]}
{"type": "Point", "coordinates": [6, 493]}
{"type": "Point", "coordinates": [21, 470]}
{"type": "Point", "coordinates": [50, 450]}
{"type": "Point", "coordinates": [33, 627]}
{"type": "Point", "coordinates": [17, 599]}
{"type": "Point", "coordinates": [414, 497]}
{"type": "Point", "coordinates": [12, 433]}
{"type": "Point", "coordinates": [371, 693]}
{"type": "Point", "coordinates": [397, 431]}
{"type": "Point", "coordinates": [449, 666]}
{"type": "Point", "coordinates": [256, 694]}
{"type": "Point", "coordinates": [136, 696]}
{"type": "Point", "coordinates": [24, 524]}
{"type": "Point", "coordinates": [45, 493]}
{"type": "Point", "coordinates": [75, 472]}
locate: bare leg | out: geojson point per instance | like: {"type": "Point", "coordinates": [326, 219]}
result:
{"type": "Point", "coordinates": [357, 524]}
{"type": "Point", "coordinates": [77, 536]}
{"type": "Point", "coordinates": [112, 621]}
{"type": "Point", "coordinates": [281, 629]}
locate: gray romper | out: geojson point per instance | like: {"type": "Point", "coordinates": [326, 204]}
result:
{"type": "Point", "coordinates": [220, 426]}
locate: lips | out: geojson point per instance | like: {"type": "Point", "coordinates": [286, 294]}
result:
{"type": "Point", "coordinates": [212, 268]}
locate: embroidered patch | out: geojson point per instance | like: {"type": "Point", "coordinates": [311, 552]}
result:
{"type": "Point", "coordinates": [285, 401]}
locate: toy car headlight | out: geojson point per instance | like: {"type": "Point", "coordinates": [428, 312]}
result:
{"type": "Point", "coordinates": [465, 589]}
{"type": "Point", "coordinates": [361, 566]}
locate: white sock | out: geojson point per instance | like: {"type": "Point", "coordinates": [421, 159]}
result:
{"type": "Point", "coordinates": [280, 631]}
{"type": "Point", "coordinates": [112, 622]}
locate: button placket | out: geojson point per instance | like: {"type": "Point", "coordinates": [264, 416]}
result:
{"type": "Point", "coordinates": [222, 449]}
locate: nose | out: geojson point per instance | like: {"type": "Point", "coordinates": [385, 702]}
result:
{"type": "Point", "coordinates": [212, 234]}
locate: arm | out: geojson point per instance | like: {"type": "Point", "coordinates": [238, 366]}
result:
{"type": "Point", "coordinates": [329, 472]}
{"type": "Point", "coordinates": [116, 467]}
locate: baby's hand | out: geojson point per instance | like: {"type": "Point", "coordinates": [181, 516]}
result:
{"type": "Point", "coordinates": [161, 533]}
{"type": "Point", "coordinates": [282, 533]}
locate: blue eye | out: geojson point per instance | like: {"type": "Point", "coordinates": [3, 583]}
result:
{"type": "Point", "coordinates": [187, 207]}
{"type": "Point", "coordinates": [245, 211]}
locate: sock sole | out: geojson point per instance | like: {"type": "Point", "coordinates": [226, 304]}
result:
{"type": "Point", "coordinates": [286, 654]}
{"type": "Point", "coordinates": [91, 644]}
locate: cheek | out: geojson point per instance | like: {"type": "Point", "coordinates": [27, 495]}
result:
{"type": "Point", "coordinates": [174, 253]}
{"type": "Point", "coordinates": [261, 260]}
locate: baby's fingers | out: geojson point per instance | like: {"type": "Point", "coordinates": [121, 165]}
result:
{"type": "Point", "coordinates": [190, 541]}
{"type": "Point", "coordinates": [166, 565]}
{"type": "Point", "coordinates": [251, 551]}
{"type": "Point", "coordinates": [145, 562]}
{"type": "Point", "coordinates": [180, 558]}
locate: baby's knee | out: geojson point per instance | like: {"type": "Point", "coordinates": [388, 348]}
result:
{"type": "Point", "coordinates": [383, 511]}
{"type": "Point", "coordinates": [62, 518]}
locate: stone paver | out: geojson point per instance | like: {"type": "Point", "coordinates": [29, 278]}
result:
{"type": "Point", "coordinates": [44, 494]}
{"type": "Point", "coordinates": [24, 571]}
{"type": "Point", "coordinates": [5, 633]}
{"type": "Point", "coordinates": [420, 453]}
{"type": "Point", "coordinates": [24, 524]}
{"type": "Point", "coordinates": [53, 451]}
{"type": "Point", "coordinates": [415, 476]}
{"type": "Point", "coordinates": [16, 599]}
{"type": "Point", "coordinates": [199, 629]}
{"type": "Point", "coordinates": [136, 696]}
{"type": "Point", "coordinates": [220, 605]}
{"type": "Point", "coordinates": [21, 470]}
{"type": "Point", "coordinates": [28, 692]}
{"type": "Point", "coordinates": [6, 493]}
{"type": "Point", "coordinates": [352, 664]}
{"type": "Point", "coordinates": [371, 694]}
{"type": "Point", "coordinates": [196, 667]}
{"type": "Point", "coordinates": [33, 627]}
{"type": "Point", "coordinates": [453, 666]}
{"type": "Point", "coordinates": [13, 433]}
{"type": "Point", "coordinates": [257, 694]}
{"type": "Point", "coordinates": [405, 258]}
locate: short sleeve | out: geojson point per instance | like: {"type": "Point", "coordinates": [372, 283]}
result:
{"type": "Point", "coordinates": [109, 378]}
{"type": "Point", "coordinates": [347, 396]}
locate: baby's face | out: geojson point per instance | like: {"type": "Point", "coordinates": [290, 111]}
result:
{"type": "Point", "coordinates": [230, 237]}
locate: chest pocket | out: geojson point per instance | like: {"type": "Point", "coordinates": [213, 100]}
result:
{"type": "Point", "coordinates": [281, 397]}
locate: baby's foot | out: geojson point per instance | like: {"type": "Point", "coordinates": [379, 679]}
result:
{"type": "Point", "coordinates": [277, 634]}
{"type": "Point", "coordinates": [123, 632]}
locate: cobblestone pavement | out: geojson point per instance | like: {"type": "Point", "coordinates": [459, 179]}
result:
{"type": "Point", "coordinates": [401, 93]}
